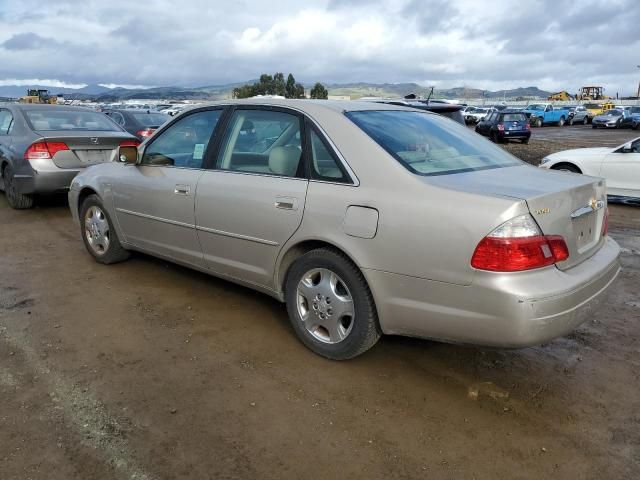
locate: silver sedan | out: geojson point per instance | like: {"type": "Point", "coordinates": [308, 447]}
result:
{"type": "Point", "coordinates": [364, 218]}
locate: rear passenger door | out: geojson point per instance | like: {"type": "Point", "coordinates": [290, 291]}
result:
{"type": "Point", "coordinates": [251, 202]}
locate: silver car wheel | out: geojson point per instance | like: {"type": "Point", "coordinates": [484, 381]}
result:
{"type": "Point", "coordinates": [96, 229]}
{"type": "Point", "coordinates": [325, 305]}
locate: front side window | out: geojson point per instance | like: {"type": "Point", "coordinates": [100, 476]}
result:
{"type": "Point", "coordinates": [6, 121]}
{"type": "Point", "coordinates": [427, 144]}
{"type": "Point", "coordinates": [184, 143]}
{"type": "Point", "coordinates": [262, 141]}
{"type": "Point", "coordinates": [43, 120]}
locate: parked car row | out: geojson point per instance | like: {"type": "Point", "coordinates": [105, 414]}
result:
{"type": "Point", "coordinates": [363, 218]}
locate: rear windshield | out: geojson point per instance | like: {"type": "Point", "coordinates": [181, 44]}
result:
{"type": "Point", "coordinates": [47, 120]}
{"type": "Point", "coordinates": [150, 119]}
{"type": "Point", "coordinates": [427, 144]}
{"type": "Point", "coordinates": [513, 117]}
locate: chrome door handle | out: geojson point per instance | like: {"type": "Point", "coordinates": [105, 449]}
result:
{"type": "Point", "coordinates": [287, 203]}
{"type": "Point", "coordinates": [182, 190]}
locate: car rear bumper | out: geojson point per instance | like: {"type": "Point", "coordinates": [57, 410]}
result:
{"type": "Point", "coordinates": [45, 182]}
{"type": "Point", "coordinates": [503, 310]}
{"type": "Point", "coordinates": [505, 135]}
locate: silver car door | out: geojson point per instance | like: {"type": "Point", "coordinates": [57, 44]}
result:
{"type": "Point", "coordinates": [252, 202]}
{"type": "Point", "coordinates": [621, 169]}
{"type": "Point", "coordinates": [154, 199]}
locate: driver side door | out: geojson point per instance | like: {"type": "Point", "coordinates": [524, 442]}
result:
{"type": "Point", "coordinates": [154, 199]}
{"type": "Point", "coordinates": [621, 169]}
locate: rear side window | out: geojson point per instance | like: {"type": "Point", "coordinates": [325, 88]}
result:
{"type": "Point", "coordinates": [6, 121]}
{"type": "Point", "coordinates": [427, 144]}
{"type": "Point", "coordinates": [325, 166]}
{"type": "Point", "coordinates": [262, 141]}
{"type": "Point", "coordinates": [73, 120]}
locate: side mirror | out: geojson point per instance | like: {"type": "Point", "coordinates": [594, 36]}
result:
{"type": "Point", "coordinates": [626, 148]}
{"type": "Point", "coordinates": [128, 155]}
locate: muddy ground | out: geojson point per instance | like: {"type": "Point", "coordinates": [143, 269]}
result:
{"type": "Point", "coordinates": [146, 370]}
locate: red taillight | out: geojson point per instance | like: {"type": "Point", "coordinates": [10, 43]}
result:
{"type": "Point", "coordinates": [43, 150]}
{"type": "Point", "coordinates": [147, 132]}
{"type": "Point", "coordinates": [504, 254]}
{"type": "Point", "coordinates": [527, 126]}
{"type": "Point", "coordinates": [605, 222]}
{"type": "Point", "coordinates": [501, 127]}
{"type": "Point", "coordinates": [130, 143]}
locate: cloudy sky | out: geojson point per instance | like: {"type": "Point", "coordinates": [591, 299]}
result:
{"type": "Point", "coordinates": [552, 44]}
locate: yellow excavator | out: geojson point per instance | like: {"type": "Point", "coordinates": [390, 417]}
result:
{"type": "Point", "coordinates": [38, 96]}
{"type": "Point", "coordinates": [591, 93]}
{"type": "Point", "coordinates": [562, 96]}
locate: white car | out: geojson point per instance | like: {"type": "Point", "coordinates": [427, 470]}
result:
{"type": "Point", "coordinates": [620, 166]}
{"type": "Point", "coordinates": [477, 115]}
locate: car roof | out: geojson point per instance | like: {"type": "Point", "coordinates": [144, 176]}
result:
{"type": "Point", "coordinates": [312, 106]}
{"type": "Point", "coordinates": [44, 106]}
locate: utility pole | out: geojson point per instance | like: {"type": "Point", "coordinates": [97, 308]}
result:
{"type": "Point", "coordinates": [638, 93]}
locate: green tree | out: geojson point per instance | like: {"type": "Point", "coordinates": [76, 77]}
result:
{"type": "Point", "coordinates": [298, 91]}
{"type": "Point", "coordinates": [279, 86]}
{"type": "Point", "coordinates": [245, 91]}
{"type": "Point", "coordinates": [265, 85]}
{"type": "Point", "coordinates": [318, 91]}
{"type": "Point", "coordinates": [290, 87]}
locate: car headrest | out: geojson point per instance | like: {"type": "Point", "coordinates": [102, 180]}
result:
{"type": "Point", "coordinates": [284, 160]}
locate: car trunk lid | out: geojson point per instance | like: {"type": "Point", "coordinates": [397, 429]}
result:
{"type": "Point", "coordinates": [90, 148]}
{"type": "Point", "coordinates": [565, 204]}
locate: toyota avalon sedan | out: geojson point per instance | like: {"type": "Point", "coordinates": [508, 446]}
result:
{"type": "Point", "coordinates": [42, 147]}
{"type": "Point", "coordinates": [364, 218]}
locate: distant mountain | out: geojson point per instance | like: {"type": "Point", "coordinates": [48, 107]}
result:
{"type": "Point", "coordinates": [217, 92]}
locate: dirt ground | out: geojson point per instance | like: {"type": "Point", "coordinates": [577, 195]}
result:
{"type": "Point", "coordinates": [146, 370]}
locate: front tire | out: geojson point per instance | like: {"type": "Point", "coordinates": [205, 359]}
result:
{"type": "Point", "coordinates": [585, 120]}
{"type": "Point", "coordinates": [566, 167]}
{"type": "Point", "coordinates": [330, 305]}
{"type": "Point", "coordinates": [15, 199]}
{"type": "Point", "coordinates": [98, 234]}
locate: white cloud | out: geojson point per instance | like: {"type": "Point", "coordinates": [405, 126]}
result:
{"type": "Point", "coordinates": [45, 82]}
{"type": "Point", "coordinates": [123, 85]}
{"type": "Point", "coordinates": [439, 42]}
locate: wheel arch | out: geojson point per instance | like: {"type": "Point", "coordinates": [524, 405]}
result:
{"type": "Point", "coordinates": [564, 163]}
{"type": "Point", "coordinates": [84, 193]}
{"type": "Point", "coordinates": [295, 251]}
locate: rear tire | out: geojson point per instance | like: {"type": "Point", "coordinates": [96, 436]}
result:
{"type": "Point", "coordinates": [570, 122]}
{"type": "Point", "coordinates": [15, 199]}
{"type": "Point", "coordinates": [561, 122]}
{"type": "Point", "coordinates": [330, 305]}
{"type": "Point", "coordinates": [525, 141]}
{"type": "Point", "coordinates": [493, 137]}
{"type": "Point", "coordinates": [539, 123]}
{"type": "Point", "coordinates": [98, 234]}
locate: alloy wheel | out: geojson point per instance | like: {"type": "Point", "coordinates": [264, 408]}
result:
{"type": "Point", "coordinates": [325, 305]}
{"type": "Point", "coordinates": [96, 229]}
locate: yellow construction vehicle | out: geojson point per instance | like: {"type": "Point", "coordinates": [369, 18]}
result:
{"type": "Point", "coordinates": [38, 96]}
{"type": "Point", "coordinates": [562, 96]}
{"type": "Point", "coordinates": [591, 93]}
{"type": "Point", "coordinates": [598, 108]}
